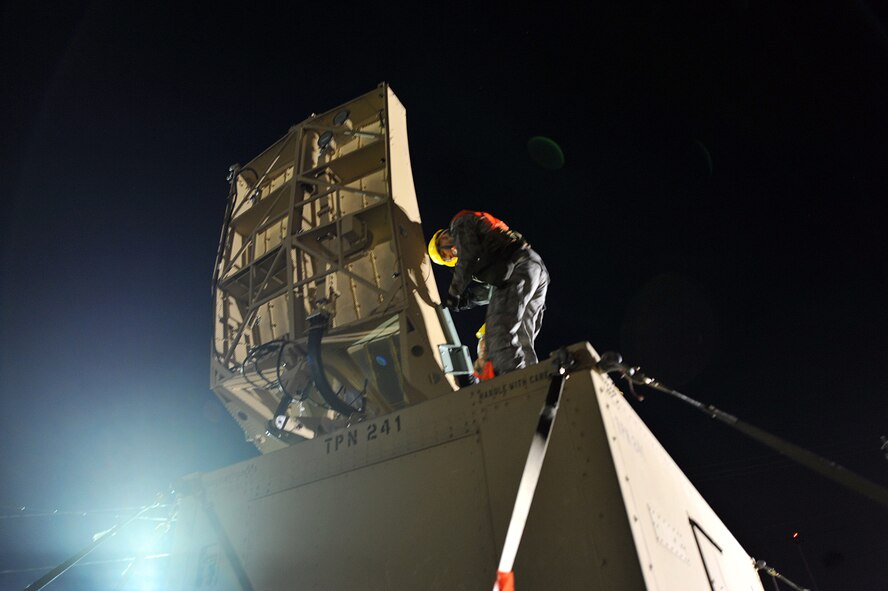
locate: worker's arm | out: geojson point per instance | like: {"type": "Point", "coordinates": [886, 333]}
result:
{"type": "Point", "coordinates": [466, 231]}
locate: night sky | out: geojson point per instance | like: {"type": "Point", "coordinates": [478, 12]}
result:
{"type": "Point", "coordinates": [718, 220]}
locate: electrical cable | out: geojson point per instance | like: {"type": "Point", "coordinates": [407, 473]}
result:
{"type": "Point", "coordinates": [107, 561]}
{"type": "Point", "coordinates": [245, 373]}
{"type": "Point", "coordinates": [317, 326]}
{"type": "Point", "coordinates": [60, 513]}
{"type": "Point", "coordinates": [255, 355]}
{"type": "Point", "coordinates": [159, 531]}
{"type": "Point", "coordinates": [760, 565]}
{"type": "Point", "coordinates": [251, 367]}
{"type": "Point", "coordinates": [300, 396]}
{"type": "Point", "coordinates": [612, 362]}
{"type": "Point", "coordinates": [277, 370]}
{"type": "Point", "coordinates": [266, 351]}
{"type": "Point", "coordinates": [64, 566]}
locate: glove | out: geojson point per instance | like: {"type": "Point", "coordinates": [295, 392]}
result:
{"type": "Point", "coordinates": [477, 294]}
{"type": "Point", "coordinates": [456, 303]}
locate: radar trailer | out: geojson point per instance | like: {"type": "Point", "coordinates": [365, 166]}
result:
{"type": "Point", "coordinates": [381, 468]}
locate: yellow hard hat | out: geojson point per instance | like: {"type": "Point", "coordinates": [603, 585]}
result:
{"type": "Point", "coordinates": [481, 331]}
{"type": "Point", "coordinates": [435, 255]}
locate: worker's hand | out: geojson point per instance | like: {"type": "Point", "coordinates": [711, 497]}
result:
{"type": "Point", "coordinates": [478, 294]}
{"type": "Point", "coordinates": [456, 303]}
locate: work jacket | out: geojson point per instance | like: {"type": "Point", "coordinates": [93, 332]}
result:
{"type": "Point", "coordinates": [485, 248]}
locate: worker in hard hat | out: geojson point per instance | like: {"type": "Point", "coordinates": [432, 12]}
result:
{"type": "Point", "coordinates": [483, 367]}
{"type": "Point", "coordinates": [482, 248]}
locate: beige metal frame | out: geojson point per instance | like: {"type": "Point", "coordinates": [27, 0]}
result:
{"type": "Point", "coordinates": [326, 220]}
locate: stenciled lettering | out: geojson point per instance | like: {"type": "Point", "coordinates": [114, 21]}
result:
{"type": "Point", "coordinates": [516, 384]}
{"type": "Point", "coordinates": [372, 431]}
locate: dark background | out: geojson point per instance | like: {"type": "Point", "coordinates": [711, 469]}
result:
{"type": "Point", "coordinates": [718, 220]}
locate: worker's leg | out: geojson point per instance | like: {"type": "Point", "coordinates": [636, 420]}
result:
{"type": "Point", "coordinates": [532, 320]}
{"type": "Point", "coordinates": [506, 311]}
{"type": "Point", "coordinates": [503, 321]}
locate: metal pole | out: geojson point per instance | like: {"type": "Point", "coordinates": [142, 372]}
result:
{"type": "Point", "coordinates": [57, 571]}
{"type": "Point", "coordinates": [613, 362]}
{"type": "Point", "coordinates": [531, 475]}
